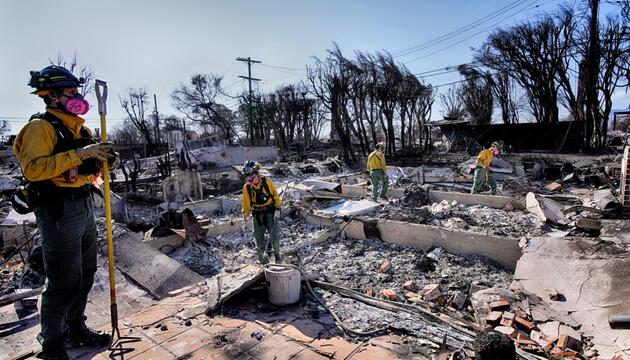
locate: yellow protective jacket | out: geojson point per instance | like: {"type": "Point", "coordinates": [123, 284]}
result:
{"type": "Point", "coordinates": [249, 202]}
{"type": "Point", "coordinates": [484, 158]}
{"type": "Point", "coordinates": [34, 147]}
{"type": "Point", "coordinates": [376, 161]}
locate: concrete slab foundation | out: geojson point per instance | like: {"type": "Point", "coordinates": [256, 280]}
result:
{"type": "Point", "coordinates": [503, 250]}
{"type": "Point", "coordinates": [591, 276]}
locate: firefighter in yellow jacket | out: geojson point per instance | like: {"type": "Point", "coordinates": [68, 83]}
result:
{"type": "Point", "coordinates": [261, 205]}
{"type": "Point", "coordinates": [378, 172]}
{"type": "Point", "coordinates": [482, 170]}
{"type": "Point", "coordinates": [60, 159]}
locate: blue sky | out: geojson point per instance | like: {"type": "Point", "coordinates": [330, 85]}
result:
{"type": "Point", "coordinates": [160, 44]}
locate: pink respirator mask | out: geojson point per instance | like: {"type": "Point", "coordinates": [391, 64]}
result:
{"type": "Point", "coordinates": [254, 179]}
{"type": "Point", "coordinates": [76, 104]}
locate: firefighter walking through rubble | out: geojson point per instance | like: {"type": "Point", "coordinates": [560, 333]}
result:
{"type": "Point", "coordinates": [261, 205]}
{"type": "Point", "coordinates": [378, 172]}
{"type": "Point", "coordinates": [60, 160]}
{"type": "Point", "coordinates": [482, 170]}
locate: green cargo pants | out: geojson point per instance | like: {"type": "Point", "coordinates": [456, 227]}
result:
{"type": "Point", "coordinates": [380, 184]}
{"type": "Point", "coordinates": [69, 246]}
{"type": "Point", "coordinates": [483, 177]}
{"type": "Point", "coordinates": [263, 222]}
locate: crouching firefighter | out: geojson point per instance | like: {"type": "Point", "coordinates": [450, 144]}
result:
{"type": "Point", "coordinates": [60, 161]}
{"type": "Point", "coordinates": [261, 205]}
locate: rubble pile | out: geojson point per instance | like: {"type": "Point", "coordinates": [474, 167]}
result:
{"type": "Point", "coordinates": [483, 219]}
{"type": "Point", "coordinates": [477, 218]}
{"type": "Point", "coordinates": [531, 324]}
{"type": "Point", "coordinates": [403, 275]}
{"type": "Point", "coordinates": [200, 257]}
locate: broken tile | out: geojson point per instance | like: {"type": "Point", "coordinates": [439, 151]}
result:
{"type": "Point", "coordinates": [336, 346]}
{"type": "Point", "coordinates": [187, 342]}
{"type": "Point", "coordinates": [524, 323]}
{"type": "Point", "coordinates": [157, 352]}
{"type": "Point", "coordinates": [275, 347]}
{"type": "Point", "coordinates": [302, 330]}
{"type": "Point", "coordinates": [307, 354]}
{"type": "Point", "coordinates": [171, 329]}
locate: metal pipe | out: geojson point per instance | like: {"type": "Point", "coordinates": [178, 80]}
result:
{"type": "Point", "coordinates": [619, 321]}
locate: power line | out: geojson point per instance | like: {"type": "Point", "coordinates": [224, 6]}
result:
{"type": "Point", "coordinates": [458, 31]}
{"type": "Point", "coordinates": [474, 34]}
{"type": "Point", "coordinates": [284, 68]}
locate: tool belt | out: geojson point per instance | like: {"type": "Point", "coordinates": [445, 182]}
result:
{"type": "Point", "coordinates": [51, 197]}
{"type": "Point", "coordinates": [75, 192]}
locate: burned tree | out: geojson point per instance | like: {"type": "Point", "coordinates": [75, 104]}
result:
{"type": "Point", "coordinates": [134, 105]}
{"type": "Point", "coordinates": [477, 95]}
{"type": "Point", "coordinates": [198, 102]}
{"type": "Point", "coordinates": [87, 73]}
{"type": "Point", "coordinates": [453, 103]}
{"type": "Point", "coordinates": [504, 92]}
{"type": "Point", "coordinates": [528, 52]}
{"type": "Point", "coordinates": [329, 83]}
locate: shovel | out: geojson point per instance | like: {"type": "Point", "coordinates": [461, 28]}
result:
{"type": "Point", "coordinates": [116, 346]}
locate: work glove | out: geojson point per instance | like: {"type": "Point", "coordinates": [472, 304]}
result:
{"type": "Point", "coordinates": [94, 151]}
{"type": "Point", "coordinates": [276, 215]}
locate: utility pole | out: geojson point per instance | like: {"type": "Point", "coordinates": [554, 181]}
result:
{"type": "Point", "coordinates": [592, 71]}
{"type": "Point", "coordinates": [157, 125]}
{"type": "Point", "coordinates": [249, 79]}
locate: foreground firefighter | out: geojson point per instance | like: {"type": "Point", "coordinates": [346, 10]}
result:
{"type": "Point", "coordinates": [60, 160]}
{"type": "Point", "coordinates": [378, 172]}
{"type": "Point", "coordinates": [482, 171]}
{"type": "Point", "coordinates": [261, 205]}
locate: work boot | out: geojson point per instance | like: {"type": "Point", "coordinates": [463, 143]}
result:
{"type": "Point", "coordinates": [84, 336]}
{"type": "Point", "coordinates": [58, 354]}
{"type": "Point", "coordinates": [278, 258]}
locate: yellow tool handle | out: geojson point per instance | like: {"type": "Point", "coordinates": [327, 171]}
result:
{"type": "Point", "coordinates": [101, 96]}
